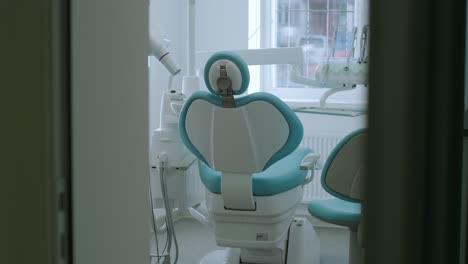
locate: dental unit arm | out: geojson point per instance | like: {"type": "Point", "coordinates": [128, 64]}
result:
{"type": "Point", "coordinates": [338, 74]}
{"type": "Point", "coordinates": [334, 74]}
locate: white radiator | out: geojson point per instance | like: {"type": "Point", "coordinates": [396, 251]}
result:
{"type": "Point", "coordinates": [322, 144]}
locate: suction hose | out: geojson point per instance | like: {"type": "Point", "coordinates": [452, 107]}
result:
{"type": "Point", "coordinates": [170, 222]}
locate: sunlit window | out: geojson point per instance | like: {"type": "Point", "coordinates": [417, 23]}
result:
{"type": "Point", "coordinates": [315, 26]}
{"type": "Point", "coordinates": [320, 27]}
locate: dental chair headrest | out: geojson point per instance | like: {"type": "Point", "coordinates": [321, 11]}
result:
{"type": "Point", "coordinates": [236, 69]}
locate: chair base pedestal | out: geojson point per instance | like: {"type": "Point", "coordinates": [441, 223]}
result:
{"type": "Point", "coordinates": [303, 248]}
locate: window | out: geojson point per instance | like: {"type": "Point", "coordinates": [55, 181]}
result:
{"type": "Point", "coordinates": [313, 25]}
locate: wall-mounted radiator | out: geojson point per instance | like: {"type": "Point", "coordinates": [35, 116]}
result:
{"type": "Point", "coordinates": [322, 144]}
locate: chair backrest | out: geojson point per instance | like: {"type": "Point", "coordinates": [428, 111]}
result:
{"type": "Point", "coordinates": [237, 136]}
{"type": "Point", "coordinates": [343, 172]}
{"type": "Point", "coordinates": [249, 138]}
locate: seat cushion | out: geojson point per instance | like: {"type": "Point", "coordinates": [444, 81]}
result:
{"type": "Point", "coordinates": [282, 176]}
{"type": "Point", "coordinates": [336, 211]}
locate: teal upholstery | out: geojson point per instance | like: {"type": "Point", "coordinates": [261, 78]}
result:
{"type": "Point", "coordinates": [280, 177]}
{"type": "Point", "coordinates": [342, 210]}
{"type": "Point", "coordinates": [295, 126]}
{"type": "Point", "coordinates": [336, 211]}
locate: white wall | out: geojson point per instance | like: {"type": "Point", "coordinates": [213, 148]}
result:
{"type": "Point", "coordinates": [110, 131]}
{"type": "Point", "coordinates": [220, 25]}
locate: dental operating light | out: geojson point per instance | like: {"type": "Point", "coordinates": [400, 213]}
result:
{"type": "Point", "coordinates": [160, 52]}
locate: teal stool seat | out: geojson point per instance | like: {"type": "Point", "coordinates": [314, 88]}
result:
{"type": "Point", "coordinates": [336, 211]}
{"type": "Point", "coordinates": [282, 176]}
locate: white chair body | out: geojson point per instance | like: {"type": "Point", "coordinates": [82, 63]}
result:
{"type": "Point", "coordinates": [235, 138]}
{"type": "Point", "coordinates": [239, 142]}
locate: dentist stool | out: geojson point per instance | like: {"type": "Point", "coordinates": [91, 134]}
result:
{"type": "Point", "coordinates": [342, 177]}
{"type": "Point", "coordinates": [251, 166]}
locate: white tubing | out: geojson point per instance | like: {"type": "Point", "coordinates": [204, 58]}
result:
{"type": "Point", "coordinates": [170, 222]}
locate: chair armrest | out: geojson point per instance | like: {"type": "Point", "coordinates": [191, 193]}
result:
{"type": "Point", "coordinates": [310, 162]}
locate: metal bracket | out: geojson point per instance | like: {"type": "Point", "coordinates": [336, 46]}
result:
{"type": "Point", "coordinates": [224, 84]}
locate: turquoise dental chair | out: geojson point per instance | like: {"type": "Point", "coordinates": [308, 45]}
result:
{"type": "Point", "coordinates": [342, 177]}
{"type": "Point", "coordinates": [251, 166]}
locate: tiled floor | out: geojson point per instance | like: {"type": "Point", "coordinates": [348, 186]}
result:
{"type": "Point", "coordinates": [195, 240]}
